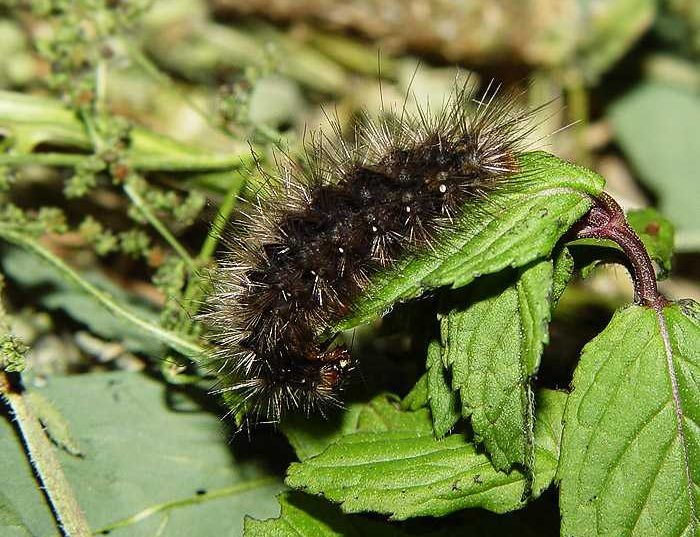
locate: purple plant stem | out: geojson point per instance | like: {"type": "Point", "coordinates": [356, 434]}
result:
{"type": "Point", "coordinates": [606, 220]}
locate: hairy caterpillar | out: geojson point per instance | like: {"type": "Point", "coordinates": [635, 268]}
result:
{"type": "Point", "coordinates": [310, 247]}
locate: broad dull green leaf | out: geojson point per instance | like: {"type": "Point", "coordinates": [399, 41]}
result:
{"type": "Point", "coordinates": [11, 524]}
{"type": "Point", "coordinates": [656, 232]}
{"type": "Point", "coordinates": [54, 423]}
{"type": "Point", "coordinates": [610, 30]}
{"type": "Point", "coordinates": [656, 125]}
{"type": "Point", "coordinates": [630, 461]}
{"type": "Point", "coordinates": [511, 231]}
{"type": "Point", "coordinates": [493, 348]}
{"type": "Point", "coordinates": [407, 472]}
{"type": "Point", "coordinates": [29, 272]}
{"type": "Point", "coordinates": [302, 515]}
{"type": "Point", "coordinates": [145, 467]}
{"type": "Point", "coordinates": [443, 401]}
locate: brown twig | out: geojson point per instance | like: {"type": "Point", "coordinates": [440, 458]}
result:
{"type": "Point", "coordinates": [606, 220]}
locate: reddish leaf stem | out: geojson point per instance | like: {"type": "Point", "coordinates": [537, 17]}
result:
{"type": "Point", "coordinates": [606, 220]}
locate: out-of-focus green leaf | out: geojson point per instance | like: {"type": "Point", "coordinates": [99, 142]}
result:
{"type": "Point", "coordinates": [657, 126]}
{"type": "Point", "coordinates": [29, 272]}
{"type": "Point", "coordinates": [305, 516]}
{"type": "Point", "coordinates": [607, 31]}
{"type": "Point", "coordinates": [29, 121]}
{"type": "Point", "coordinates": [630, 462]}
{"type": "Point", "coordinates": [11, 524]}
{"type": "Point", "coordinates": [211, 47]}
{"type": "Point", "coordinates": [145, 467]}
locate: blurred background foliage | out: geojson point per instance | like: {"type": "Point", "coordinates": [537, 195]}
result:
{"type": "Point", "coordinates": [127, 126]}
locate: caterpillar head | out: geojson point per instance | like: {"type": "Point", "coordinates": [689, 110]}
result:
{"type": "Point", "coordinates": [333, 374]}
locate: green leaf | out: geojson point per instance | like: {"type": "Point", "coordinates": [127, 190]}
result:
{"type": "Point", "coordinates": [32, 121]}
{"type": "Point", "coordinates": [305, 516]}
{"type": "Point", "coordinates": [562, 273]}
{"type": "Point", "coordinates": [301, 516]}
{"type": "Point", "coordinates": [493, 348]}
{"type": "Point", "coordinates": [11, 524]}
{"type": "Point", "coordinates": [418, 396]}
{"type": "Point", "coordinates": [656, 125]}
{"type": "Point", "coordinates": [656, 233]}
{"type": "Point", "coordinates": [54, 423]}
{"type": "Point", "coordinates": [518, 228]}
{"type": "Point", "coordinates": [631, 449]}
{"type": "Point", "coordinates": [57, 293]}
{"type": "Point", "coordinates": [443, 401]}
{"type": "Point", "coordinates": [310, 436]}
{"type": "Point", "coordinates": [173, 339]}
{"type": "Point", "coordinates": [146, 467]}
{"type": "Point", "coordinates": [407, 472]}
{"type": "Point", "coordinates": [610, 29]}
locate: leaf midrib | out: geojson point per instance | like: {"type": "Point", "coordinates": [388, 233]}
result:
{"type": "Point", "coordinates": [675, 394]}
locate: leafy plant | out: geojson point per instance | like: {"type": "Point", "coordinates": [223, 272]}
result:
{"type": "Point", "coordinates": [461, 435]}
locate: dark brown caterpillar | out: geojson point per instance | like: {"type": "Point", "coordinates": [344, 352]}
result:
{"type": "Point", "coordinates": [309, 248]}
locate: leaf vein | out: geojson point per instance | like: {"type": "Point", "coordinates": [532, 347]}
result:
{"type": "Point", "coordinates": [679, 414]}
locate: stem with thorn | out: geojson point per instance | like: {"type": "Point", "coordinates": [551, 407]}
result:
{"type": "Point", "coordinates": [606, 220]}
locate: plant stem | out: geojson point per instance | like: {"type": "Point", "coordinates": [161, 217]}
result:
{"type": "Point", "coordinates": [606, 220]}
{"type": "Point", "coordinates": [186, 347]}
{"type": "Point", "coordinates": [131, 192]}
{"type": "Point", "coordinates": [580, 113]}
{"type": "Point", "coordinates": [46, 159]}
{"type": "Point", "coordinates": [142, 206]}
{"type": "Point", "coordinates": [193, 500]}
{"type": "Point", "coordinates": [222, 216]}
{"type": "Point", "coordinates": [101, 89]}
{"type": "Point", "coordinates": [194, 290]}
{"type": "Point", "coordinates": [193, 163]}
{"type": "Point", "coordinates": [44, 461]}
{"type": "Point", "coordinates": [91, 128]}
